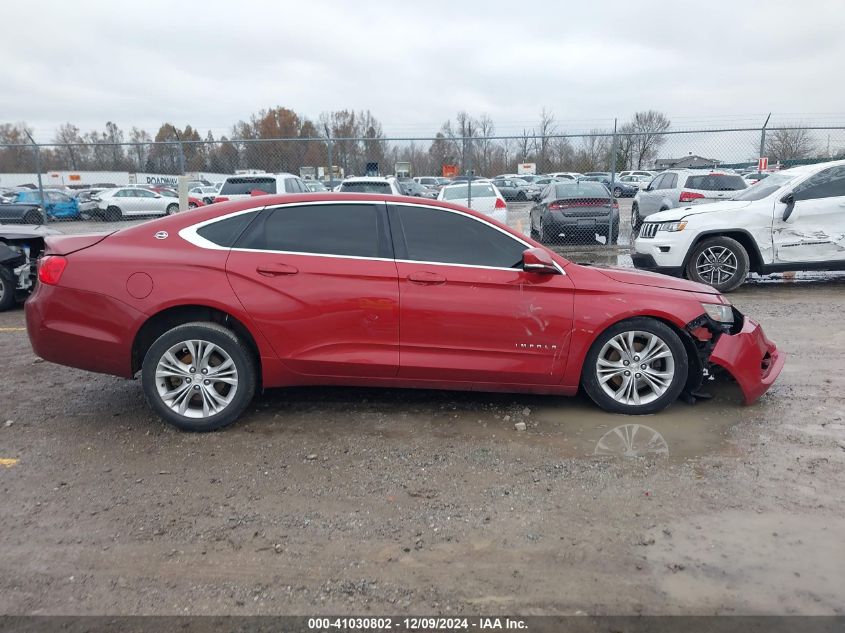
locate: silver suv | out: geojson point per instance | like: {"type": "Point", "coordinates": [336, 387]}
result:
{"type": "Point", "coordinates": [683, 187]}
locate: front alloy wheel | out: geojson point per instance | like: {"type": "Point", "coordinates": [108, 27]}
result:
{"type": "Point", "coordinates": [199, 376]}
{"type": "Point", "coordinates": [637, 366]}
{"type": "Point", "coordinates": [721, 262]}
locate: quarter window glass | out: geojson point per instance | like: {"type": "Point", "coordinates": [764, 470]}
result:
{"type": "Point", "coordinates": [432, 235]}
{"type": "Point", "coordinates": [227, 231]}
{"type": "Point", "coordinates": [829, 183]}
{"type": "Point", "coordinates": [332, 229]}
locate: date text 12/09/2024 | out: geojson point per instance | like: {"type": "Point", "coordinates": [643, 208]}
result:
{"type": "Point", "coordinates": [416, 624]}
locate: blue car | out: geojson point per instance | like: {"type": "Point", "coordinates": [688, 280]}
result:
{"type": "Point", "coordinates": [56, 204]}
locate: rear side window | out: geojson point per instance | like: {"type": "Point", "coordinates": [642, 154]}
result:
{"type": "Point", "coordinates": [366, 187]}
{"type": "Point", "coordinates": [716, 182]}
{"type": "Point", "coordinates": [245, 186]}
{"type": "Point", "coordinates": [226, 232]}
{"type": "Point", "coordinates": [434, 235]}
{"type": "Point", "coordinates": [330, 229]}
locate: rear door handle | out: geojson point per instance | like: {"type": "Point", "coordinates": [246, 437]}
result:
{"type": "Point", "coordinates": [426, 277]}
{"type": "Point", "coordinates": [274, 270]}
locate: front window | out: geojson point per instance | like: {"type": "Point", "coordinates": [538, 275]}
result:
{"type": "Point", "coordinates": [441, 236]}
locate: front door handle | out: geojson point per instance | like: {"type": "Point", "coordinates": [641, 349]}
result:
{"type": "Point", "coordinates": [426, 277]}
{"type": "Point", "coordinates": [274, 270]}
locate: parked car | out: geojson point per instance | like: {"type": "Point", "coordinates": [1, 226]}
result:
{"type": "Point", "coordinates": [529, 178]}
{"type": "Point", "coordinates": [413, 188]}
{"type": "Point", "coordinates": [483, 197]}
{"type": "Point", "coordinates": [681, 187]}
{"type": "Point", "coordinates": [566, 175]}
{"type": "Point", "coordinates": [570, 211]}
{"type": "Point", "coordinates": [242, 187]}
{"type": "Point", "coordinates": [116, 204]}
{"type": "Point", "coordinates": [55, 204]}
{"type": "Point", "coordinates": [790, 221]}
{"type": "Point", "coordinates": [26, 213]}
{"type": "Point", "coordinates": [519, 190]}
{"type": "Point", "coordinates": [599, 174]}
{"type": "Point", "coordinates": [205, 193]}
{"type": "Point", "coordinates": [193, 201]}
{"type": "Point", "coordinates": [371, 290]}
{"type": "Point", "coordinates": [638, 181]}
{"type": "Point", "coordinates": [86, 201]}
{"type": "Point", "coordinates": [371, 184]}
{"type": "Point", "coordinates": [315, 186]}
{"type": "Point", "coordinates": [20, 248]}
{"type": "Point", "coordinates": [638, 172]}
{"type": "Point", "coordinates": [618, 188]}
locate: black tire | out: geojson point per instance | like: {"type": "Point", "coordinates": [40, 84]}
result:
{"type": "Point", "coordinates": [192, 205]}
{"type": "Point", "coordinates": [225, 339]}
{"type": "Point", "coordinates": [172, 209]}
{"type": "Point", "coordinates": [636, 220]}
{"type": "Point", "coordinates": [589, 374]}
{"type": "Point", "coordinates": [208, 200]}
{"type": "Point", "coordinates": [740, 259]}
{"type": "Point", "coordinates": [33, 217]}
{"type": "Point", "coordinates": [113, 214]}
{"type": "Point", "coordinates": [617, 192]}
{"type": "Point", "coordinates": [521, 197]}
{"type": "Point", "coordinates": [8, 287]}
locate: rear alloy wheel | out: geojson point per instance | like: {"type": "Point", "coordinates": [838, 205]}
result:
{"type": "Point", "coordinates": [172, 209]}
{"type": "Point", "coordinates": [113, 214]}
{"type": "Point", "coordinates": [7, 288]}
{"type": "Point", "coordinates": [720, 262]}
{"type": "Point", "coordinates": [637, 366]}
{"type": "Point", "coordinates": [617, 192]}
{"type": "Point", "coordinates": [199, 376]}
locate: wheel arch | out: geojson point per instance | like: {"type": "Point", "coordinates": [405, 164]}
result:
{"type": "Point", "coordinates": [158, 323]}
{"type": "Point", "coordinates": [742, 236]}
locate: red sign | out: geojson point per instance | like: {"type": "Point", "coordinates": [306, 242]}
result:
{"type": "Point", "coordinates": [449, 171]}
{"type": "Point", "coordinates": [762, 163]}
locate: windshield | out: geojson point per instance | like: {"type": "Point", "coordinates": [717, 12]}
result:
{"type": "Point", "coordinates": [764, 188]}
{"type": "Point", "coordinates": [479, 190]}
{"type": "Point", "coordinates": [366, 187]}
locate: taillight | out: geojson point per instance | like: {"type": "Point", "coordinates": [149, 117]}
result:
{"type": "Point", "coordinates": [555, 206]}
{"type": "Point", "coordinates": [50, 269]}
{"type": "Point", "coordinates": [221, 199]}
{"type": "Point", "coordinates": [689, 196]}
{"type": "Point", "coordinates": [501, 204]}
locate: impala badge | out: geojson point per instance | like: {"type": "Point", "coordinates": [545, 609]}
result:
{"type": "Point", "coordinates": [161, 235]}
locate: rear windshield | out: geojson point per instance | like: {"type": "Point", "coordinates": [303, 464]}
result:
{"type": "Point", "coordinates": [582, 189]}
{"type": "Point", "coordinates": [245, 186]}
{"type": "Point", "coordinates": [366, 187]}
{"type": "Point", "coordinates": [716, 182]}
{"type": "Point", "coordinates": [478, 191]}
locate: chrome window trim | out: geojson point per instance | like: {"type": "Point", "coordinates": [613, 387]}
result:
{"type": "Point", "coordinates": [190, 235]}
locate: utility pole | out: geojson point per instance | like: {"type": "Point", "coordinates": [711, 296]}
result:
{"type": "Point", "coordinates": [329, 154]}
{"type": "Point", "coordinates": [763, 138]}
{"type": "Point", "coordinates": [38, 170]}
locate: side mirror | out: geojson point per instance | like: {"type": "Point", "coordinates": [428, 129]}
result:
{"type": "Point", "coordinates": [789, 201]}
{"type": "Point", "coordinates": [537, 260]}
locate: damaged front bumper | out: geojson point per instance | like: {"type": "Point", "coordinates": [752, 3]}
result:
{"type": "Point", "coordinates": [742, 349]}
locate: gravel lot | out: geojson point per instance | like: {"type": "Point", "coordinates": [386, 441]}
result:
{"type": "Point", "coordinates": [330, 500]}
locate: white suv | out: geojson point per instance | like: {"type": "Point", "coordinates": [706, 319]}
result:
{"type": "Point", "coordinates": [681, 187]}
{"type": "Point", "coordinates": [792, 220]}
{"type": "Point", "coordinates": [372, 184]}
{"type": "Point", "coordinates": [239, 187]}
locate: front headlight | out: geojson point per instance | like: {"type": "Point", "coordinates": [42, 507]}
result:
{"type": "Point", "coordinates": [719, 312]}
{"type": "Point", "coordinates": [673, 226]}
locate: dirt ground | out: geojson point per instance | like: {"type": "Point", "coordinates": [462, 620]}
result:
{"type": "Point", "coordinates": [362, 501]}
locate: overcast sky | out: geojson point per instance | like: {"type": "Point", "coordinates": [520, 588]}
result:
{"type": "Point", "coordinates": [414, 64]}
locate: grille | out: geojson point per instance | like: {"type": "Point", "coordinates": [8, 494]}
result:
{"type": "Point", "coordinates": [649, 229]}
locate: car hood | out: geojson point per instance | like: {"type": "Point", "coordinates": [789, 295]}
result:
{"type": "Point", "coordinates": [673, 215]}
{"type": "Point", "coordinates": [654, 280]}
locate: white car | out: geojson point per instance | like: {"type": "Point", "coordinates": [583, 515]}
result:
{"type": "Point", "coordinates": [116, 204]}
{"type": "Point", "coordinates": [240, 187]}
{"type": "Point", "coordinates": [638, 181]}
{"type": "Point", "coordinates": [206, 194]}
{"type": "Point", "coordinates": [565, 175]}
{"type": "Point", "coordinates": [792, 220]}
{"type": "Point", "coordinates": [484, 197]}
{"type": "Point", "coordinates": [389, 186]}
{"type": "Point", "coordinates": [638, 172]}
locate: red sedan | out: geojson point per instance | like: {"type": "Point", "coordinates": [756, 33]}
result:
{"type": "Point", "coordinates": [351, 289]}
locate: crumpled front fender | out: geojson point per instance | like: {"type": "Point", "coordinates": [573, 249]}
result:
{"type": "Point", "coordinates": [751, 358]}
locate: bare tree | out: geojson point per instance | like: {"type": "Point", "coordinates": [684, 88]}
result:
{"type": "Point", "coordinates": [789, 144]}
{"type": "Point", "coordinates": [545, 129]}
{"type": "Point", "coordinates": [68, 136]}
{"type": "Point", "coordinates": [645, 136]}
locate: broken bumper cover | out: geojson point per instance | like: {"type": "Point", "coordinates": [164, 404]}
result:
{"type": "Point", "coordinates": [752, 359]}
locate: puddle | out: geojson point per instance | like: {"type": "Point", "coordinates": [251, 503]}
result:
{"type": "Point", "coordinates": [571, 427]}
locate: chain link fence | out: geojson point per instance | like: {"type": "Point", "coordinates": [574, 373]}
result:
{"type": "Point", "coordinates": [582, 194]}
